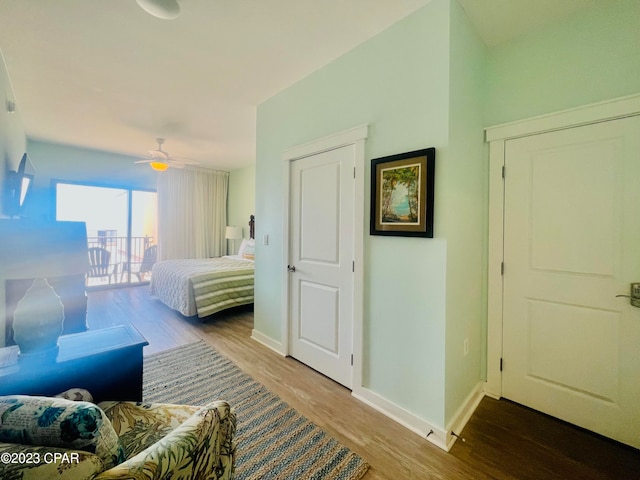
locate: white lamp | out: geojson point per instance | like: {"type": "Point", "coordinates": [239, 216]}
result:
{"type": "Point", "coordinates": [39, 250]}
{"type": "Point", "coordinates": [233, 233]}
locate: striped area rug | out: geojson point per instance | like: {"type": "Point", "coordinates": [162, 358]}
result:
{"type": "Point", "coordinates": [274, 440]}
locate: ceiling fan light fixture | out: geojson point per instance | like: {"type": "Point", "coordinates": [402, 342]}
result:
{"type": "Point", "coordinates": [159, 160]}
{"type": "Point", "coordinates": [159, 166]}
{"type": "Point", "coordinates": [164, 9]}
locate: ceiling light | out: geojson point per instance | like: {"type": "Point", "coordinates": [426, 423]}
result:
{"type": "Point", "coordinates": [159, 166]}
{"type": "Point", "coordinates": [164, 9]}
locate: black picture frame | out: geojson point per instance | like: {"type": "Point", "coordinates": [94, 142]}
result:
{"type": "Point", "coordinates": [402, 194]}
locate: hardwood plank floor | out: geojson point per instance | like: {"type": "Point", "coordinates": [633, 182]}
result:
{"type": "Point", "coordinates": [503, 440]}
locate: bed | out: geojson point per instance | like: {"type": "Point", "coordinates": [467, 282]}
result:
{"type": "Point", "coordinates": [206, 286]}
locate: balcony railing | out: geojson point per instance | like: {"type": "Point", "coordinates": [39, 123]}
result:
{"type": "Point", "coordinates": [122, 268]}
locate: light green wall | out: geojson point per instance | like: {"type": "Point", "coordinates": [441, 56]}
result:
{"type": "Point", "coordinates": [465, 214]}
{"type": "Point", "coordinates": [586, 58]}
{"type": "Point", "coordinates": [242, 198]}
{"type": "Point", "coordinates": [399, 83]}
{"type": "Point", "coordinates": [429, 81]}
{"type": "Point", "coordinates": [13, 143]}
{"type": "Point", "coordinates": [13, 140]}
{"type": "Point", "coordinates": [589, 57]}
{"type": "Point", "coordinates": [74, 164]}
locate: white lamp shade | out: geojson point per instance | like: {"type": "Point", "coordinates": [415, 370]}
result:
{"type": "Point", "coordinates": [233, 233]}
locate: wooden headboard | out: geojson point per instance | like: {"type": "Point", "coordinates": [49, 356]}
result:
{"type": "Point", "coordinates": [252, 226]}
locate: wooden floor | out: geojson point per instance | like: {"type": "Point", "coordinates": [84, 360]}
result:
{"type": "Point", "coordinates": [502, 440]}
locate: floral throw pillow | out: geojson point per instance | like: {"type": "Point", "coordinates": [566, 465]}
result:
{"type": "Point", "coordinates": [58, 422]}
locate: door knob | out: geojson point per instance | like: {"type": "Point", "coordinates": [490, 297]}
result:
{"type": "Point", "coordinates": [291, 268]}
{"type": "Point", "coordinates": [634, 295]}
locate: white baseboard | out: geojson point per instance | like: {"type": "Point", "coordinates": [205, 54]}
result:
{"type": "Point", "coordinates": [417, 425]}
{"type": "Point", "coordinates": [488, 392]}
{"type": "Point", "coordinates": [268, 342]}
{"type": "Point", "coordinates": [436, 435]}
{"type": "Point", "coordinates": [462, 416]}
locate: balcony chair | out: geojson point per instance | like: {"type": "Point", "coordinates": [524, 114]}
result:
{"type": "Point", "coordinates": [79, 440]}
{"type": "Point", "coordinates": [99, 261]}
{"type": "Point", "coordinates": [149, 258]}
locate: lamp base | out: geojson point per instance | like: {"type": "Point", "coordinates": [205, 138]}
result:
{"type": "Point", "coordinates": [38, 322]}
{"type": "Point", "coordinates": [40, 356]}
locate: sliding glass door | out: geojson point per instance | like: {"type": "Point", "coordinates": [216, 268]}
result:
{"type": "Point", "coordinates": [121, 226]}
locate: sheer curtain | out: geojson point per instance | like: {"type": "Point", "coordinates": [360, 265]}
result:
{"type": "Point", "coordinates": [192, 213]}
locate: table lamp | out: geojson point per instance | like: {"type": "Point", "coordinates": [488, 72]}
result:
{"type": "Point", "coordinates": [233, 233]}
{"type": "Point", "coordinates": [39, 250]}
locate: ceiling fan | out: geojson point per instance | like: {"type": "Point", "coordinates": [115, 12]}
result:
{"type": "Point", "coordinates": [160, 160]}
{"type": "Point", "coordinates": [164, 9]}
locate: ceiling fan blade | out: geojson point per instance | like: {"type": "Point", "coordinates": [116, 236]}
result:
{"type": "Point", "coordinates": [159, 154]}
{"type": "Point", "coordinates": [183, 161]}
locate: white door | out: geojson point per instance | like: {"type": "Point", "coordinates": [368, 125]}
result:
{"type": "Point", "coordinates": [321, 252]}
{"type": "Point", "coordinates": [571, 348]}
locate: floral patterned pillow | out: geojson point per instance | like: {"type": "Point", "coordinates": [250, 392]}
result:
{"type": "Point", "coordinates": [58, 422]}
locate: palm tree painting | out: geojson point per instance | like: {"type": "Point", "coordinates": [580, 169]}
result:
{"type": "Point", "coordinates": [401, 194]}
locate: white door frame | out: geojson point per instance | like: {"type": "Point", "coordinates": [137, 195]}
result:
{"type": "Point", "coordinates": [355, 136]}
{"type": "Point", "coordinates": [497, 136]}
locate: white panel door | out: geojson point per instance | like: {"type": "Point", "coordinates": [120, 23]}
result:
{"type": "Point", "coordinates": [321, 251]}
{"type": "Point", "coordinates": [571, 348]}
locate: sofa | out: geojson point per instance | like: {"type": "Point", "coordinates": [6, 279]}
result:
{"type": "Point", "coordinates": [59, 438]}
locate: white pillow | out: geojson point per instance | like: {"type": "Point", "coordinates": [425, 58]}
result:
{"type": "Point", "coordinates": [249, 252]}
{"type": "Point", "coordinates": [247, 244]}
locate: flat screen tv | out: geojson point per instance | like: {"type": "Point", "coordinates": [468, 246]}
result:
{"type": "Point", "coordinates": [18, 187]}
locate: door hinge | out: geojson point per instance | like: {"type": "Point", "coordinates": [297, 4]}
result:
{"type": "Point", "coordinates": [500, 364]}
{"type": "Point", "coordinates": [503, 169]}
{"type": "Point", "coordinates": [501, 268]}
{"type": "Point", "coordinates": [352, 359]}
{"type": "Point", "coordinates": [354, 172]}
{"type": "Point", "coordinates": [353, 266]}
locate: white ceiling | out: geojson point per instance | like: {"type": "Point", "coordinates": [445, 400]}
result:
{"type": "Point", "coordinates": [106, 75]}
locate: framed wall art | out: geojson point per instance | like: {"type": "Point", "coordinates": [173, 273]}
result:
{"type": "Point", "coordinates": [402, 194]}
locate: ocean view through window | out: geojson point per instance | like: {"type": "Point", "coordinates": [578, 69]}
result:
{"type": "Point", "coordinates": [121, 228]}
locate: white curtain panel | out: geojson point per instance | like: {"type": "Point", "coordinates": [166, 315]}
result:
{"type": "Point", "coordinates": [192, 213]}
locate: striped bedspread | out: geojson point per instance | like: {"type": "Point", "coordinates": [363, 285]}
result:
{"type": "Point", "coordinates": [203, 286]}
{"type": "Point", "coordinates": [222, 289]}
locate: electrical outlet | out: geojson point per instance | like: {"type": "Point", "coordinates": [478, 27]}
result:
{"type": "Point", "coordinates": [466, 347]}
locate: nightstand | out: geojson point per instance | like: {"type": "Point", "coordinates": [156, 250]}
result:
{"type": "Point", "coordinates": [106, 362]}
